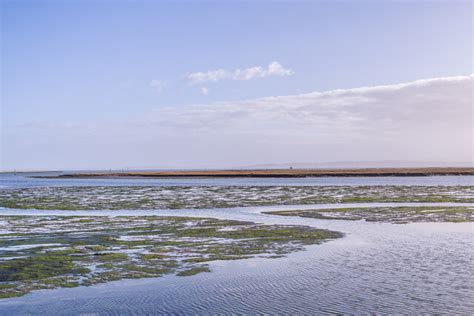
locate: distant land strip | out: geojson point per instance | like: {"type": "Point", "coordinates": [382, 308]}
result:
{"type": "Point", "coordinates": [278, 173]}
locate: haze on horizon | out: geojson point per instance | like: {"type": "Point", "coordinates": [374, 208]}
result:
{"type": "Point", "coordinates": [99, 85]}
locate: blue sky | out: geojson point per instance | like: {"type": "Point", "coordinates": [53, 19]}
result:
{"type": "Point", "coordinates": [78, 63]}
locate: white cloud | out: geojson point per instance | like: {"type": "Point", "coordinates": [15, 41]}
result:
{"type": "Point", "coordinates": [276, 69]}
{"type": "Point", "coordinates": [273, 69]}
{"type": "Point", "coordinates": [406, 102]}
{"type": "Point", "coordinates": [248, 73]}
{"type": "Point", "coordinates": [208, 76]}
{"type": "Point", "coordinates": [157, 85]}
{"type": "Point", "coordinates": [204, 91]}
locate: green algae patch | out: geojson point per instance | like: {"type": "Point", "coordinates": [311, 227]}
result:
{"type": "Point", "coordinates": [36, 267]}
{"type": "Point", "coordinates": [193, 271]}
{"type": "Point", "coordinates": [188, 197]}
{"type": "Point", "coordinates": [46, 252]}
{"type": "Point", "coordinates": [111, 256]}
{"type": "Point", "coordinates": [396, 215]}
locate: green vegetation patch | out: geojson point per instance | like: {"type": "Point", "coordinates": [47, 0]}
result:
{"type": "Point", "coordinates": [398, 215]}
{"type": "Point", "coordinates": [45, 252]}
{"type": "Point", "coordinates": [36, 267]}
{"type": "Point", "coordinates": [193, 271]}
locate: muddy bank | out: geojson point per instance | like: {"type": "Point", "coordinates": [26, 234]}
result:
{"type": "Point", "coordinates": [278, 173]}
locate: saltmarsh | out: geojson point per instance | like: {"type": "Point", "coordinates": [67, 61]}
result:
{"type": "Point", "coordinates": [44, 252]}
{"type": "Point", "coordinates": [398, 215]}
{"type": "Point", "coordinates": [176, 197]}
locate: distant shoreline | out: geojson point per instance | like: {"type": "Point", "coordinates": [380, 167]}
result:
{"type": "Point", "coordinates": [277, 173]}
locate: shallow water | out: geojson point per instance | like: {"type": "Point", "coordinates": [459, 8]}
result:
{"type": "Point", "coordinates": [376, 268]}
{"type": "Point", "coordinates": [250, 213]}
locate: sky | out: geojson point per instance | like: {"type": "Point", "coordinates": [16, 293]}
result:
{"type": "Point", "coordinates": [208, 84]}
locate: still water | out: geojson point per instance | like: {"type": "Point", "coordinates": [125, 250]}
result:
{"type": "Point", "coordinates": [376, 268]}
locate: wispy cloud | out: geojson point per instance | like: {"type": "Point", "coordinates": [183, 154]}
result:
{"type": "Point", "coordinates": [157, 85]}
{"type": "Point", "coordinates": [204, 90]}
{"type": "Point", "coordinates": [273, 69]}
{"type": "Point", "coordinates": [208, 76]}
